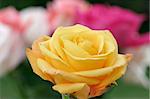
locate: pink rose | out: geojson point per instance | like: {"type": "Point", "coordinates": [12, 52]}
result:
{"type": "Point", "coordinates": [123, 23]}
{"type": "Point", "coordinates": [11, 17]}
{"type": "Point", "coordinates": [62, 12]}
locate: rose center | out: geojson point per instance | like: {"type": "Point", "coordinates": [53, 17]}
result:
{"type": "Point", "coordinates": [86, 45]}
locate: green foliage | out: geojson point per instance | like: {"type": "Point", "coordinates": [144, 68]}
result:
{"type": "Point", "coordinates": [24, 84]}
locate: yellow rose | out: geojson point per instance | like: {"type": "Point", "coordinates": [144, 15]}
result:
{"type": "Point", "coordinates": [78, 60]}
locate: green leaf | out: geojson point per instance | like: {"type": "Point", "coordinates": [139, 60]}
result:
{"type": "Point", "coordinates": [9, 88]}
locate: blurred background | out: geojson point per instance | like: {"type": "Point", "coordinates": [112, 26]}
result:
{"type": "Point", "coordinates": [22, 21]}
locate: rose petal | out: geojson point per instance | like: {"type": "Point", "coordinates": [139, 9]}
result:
{"type": "Point", "coordinates": [81, 64]}
{"type": "Point", "coordinates": [55, 42]}
{"type": "Point", "coordinates": [95, 73]}
{"type": "Point", "coordinates": [83, 93]}
{"type": "Point", "coordinates": [68, 88]}
{"type": "Point", "coordinates": [88, 47]}
{"type": "Point", "coordinates": [35, 45]}
{"type": "Point", "coordinates": [93, 37]}
{"type": "Point", "coordinates": [109, 37]}
{"type": "Point", "coordinates": [112, 56]}
{"type": "Point", "coordinates": [33, 60]}
{"type": "Point", "coordinates": [121, 61]}
{"type": "Point", "coordinates": [70, 77]}
{"type": "Point", "coordinates": [112, 77]}
{"type": "Point", "coordinates": [74, 49]}
{"type": "Point", "coordinates": [57, 62]}
{"type": "Point", "coordinates": [92, 43]}
{"type": "Point", "coordinates": [80, 90]}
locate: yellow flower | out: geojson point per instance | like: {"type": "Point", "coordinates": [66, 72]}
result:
{"type": "Point", "coordinates": [78, 60]}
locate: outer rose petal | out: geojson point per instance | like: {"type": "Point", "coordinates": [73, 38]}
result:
{"type": "Point", "coordinates": [35, 45]}
{"type": "Point", "coordinates": [33, 60]}
{"type": "Point", "coordinates": [68, 87]}
{"type": "Point", "coordinates": [70, 77]}
{"type": "Point", "coordinates": [116, 74]}
{"type": "Point", "coordinates": [121, 61]}
{"type": "Point", "coordinates": [100, 89]}
{"type": "Point", "coordinates": [83, 93]}
{"type": "Point", "coordinates": [80, 90]}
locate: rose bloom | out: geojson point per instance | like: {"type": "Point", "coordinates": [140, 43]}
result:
{"type": "Point", "coordinates": [13, 20]}
{"type": "Point", "coordinates": [11, 44]}
{"type": "Point", "coordinates": [117, 20]}
{"type": "Point", "coordinates": [62, 12]}
{"type": "Point", "coordinates": [137, 68]}
{"type": "Point", "coordinates": [35, 22]}
{"type": "Point", "coordinates": [78, 60]}
{"type": "Point", "coordinates": [11, 49]}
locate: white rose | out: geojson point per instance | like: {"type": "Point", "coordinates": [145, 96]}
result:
{"type": "Point", "coordinates": [136, 72]}
{"type": "Point", "coordinates": [36, 23]}
{"type": "Point", "coordinates": [11, 49]}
